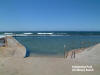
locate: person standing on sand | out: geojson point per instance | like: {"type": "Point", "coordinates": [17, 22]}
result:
{"type": "Point", "coordinates": [74, 54]}
{"type": "Point", "coordinates": [66, 55]}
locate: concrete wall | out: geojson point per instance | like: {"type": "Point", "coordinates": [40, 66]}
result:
{"type": "Point", "coordinates": [12, 49]}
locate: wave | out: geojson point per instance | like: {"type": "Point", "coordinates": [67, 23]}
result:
{"type": "Point", "coordinates": [35, 34]}
{"type": "Point", "coordinates": [28, 33]}
{"type": "Point", "coordinates": [45, 33]}
{"type": "Point", "coordinates": [20, 35]}
{"type": "Point", "coordinates": [2, 36]}
{"type": "Point", "coordinates": [8, 33]}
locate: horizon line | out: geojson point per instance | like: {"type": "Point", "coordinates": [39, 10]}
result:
{"type": "Point", "coordinates": [52, 30]}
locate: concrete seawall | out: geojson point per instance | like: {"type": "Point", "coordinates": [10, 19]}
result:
{"type": "Point", "coordinates": [13, 48]}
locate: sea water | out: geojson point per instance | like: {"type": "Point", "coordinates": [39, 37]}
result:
{"type": "Point", "coordinates": [52, 43]}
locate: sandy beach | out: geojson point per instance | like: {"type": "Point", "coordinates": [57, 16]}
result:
{"type": "Point", "coordinates": [51, 65]}
{"type": "Point", "coordinates": [42, 66]}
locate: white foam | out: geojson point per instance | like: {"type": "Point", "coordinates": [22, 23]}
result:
{"type": "Point", "coordinates": [20, 35]}
{"type": "Point", "coordinates": [45, 33]}
{"type": "Point", "coordinates": [8, 33]}
{"type": "Point", "coordinates": [2, 36]}
{"type": "Point", "coordinates": [28, 33]}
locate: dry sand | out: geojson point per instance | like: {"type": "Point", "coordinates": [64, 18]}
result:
{"type": "Point", "coordinates": [41, 66]}
{"type": "Point", "coordinates": [90, 55]}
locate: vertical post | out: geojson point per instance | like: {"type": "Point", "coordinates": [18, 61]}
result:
{"type": "Point", "coordinates": [64, 51]}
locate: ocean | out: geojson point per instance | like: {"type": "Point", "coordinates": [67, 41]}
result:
{"type": "Point", "coordinates": [52, 42]}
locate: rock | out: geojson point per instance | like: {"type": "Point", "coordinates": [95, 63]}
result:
{"type": "Point", "coordinates": [12, 49]}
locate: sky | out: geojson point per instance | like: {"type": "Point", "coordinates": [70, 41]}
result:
{"type": "Point", "coordinates": [49, 15]}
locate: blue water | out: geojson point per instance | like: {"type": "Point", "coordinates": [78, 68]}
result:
{"type": "Point", "coordinates": [55, 32]}
{"type": "Point", "coordinates": [54, 45]}
{"type": "Point", "coordinates": [52, 42]}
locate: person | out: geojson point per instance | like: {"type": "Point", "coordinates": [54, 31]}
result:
{"type": "Point", "coordinates": [74, 54]}
{"type": "Point", "coordinates": [67, 54]}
